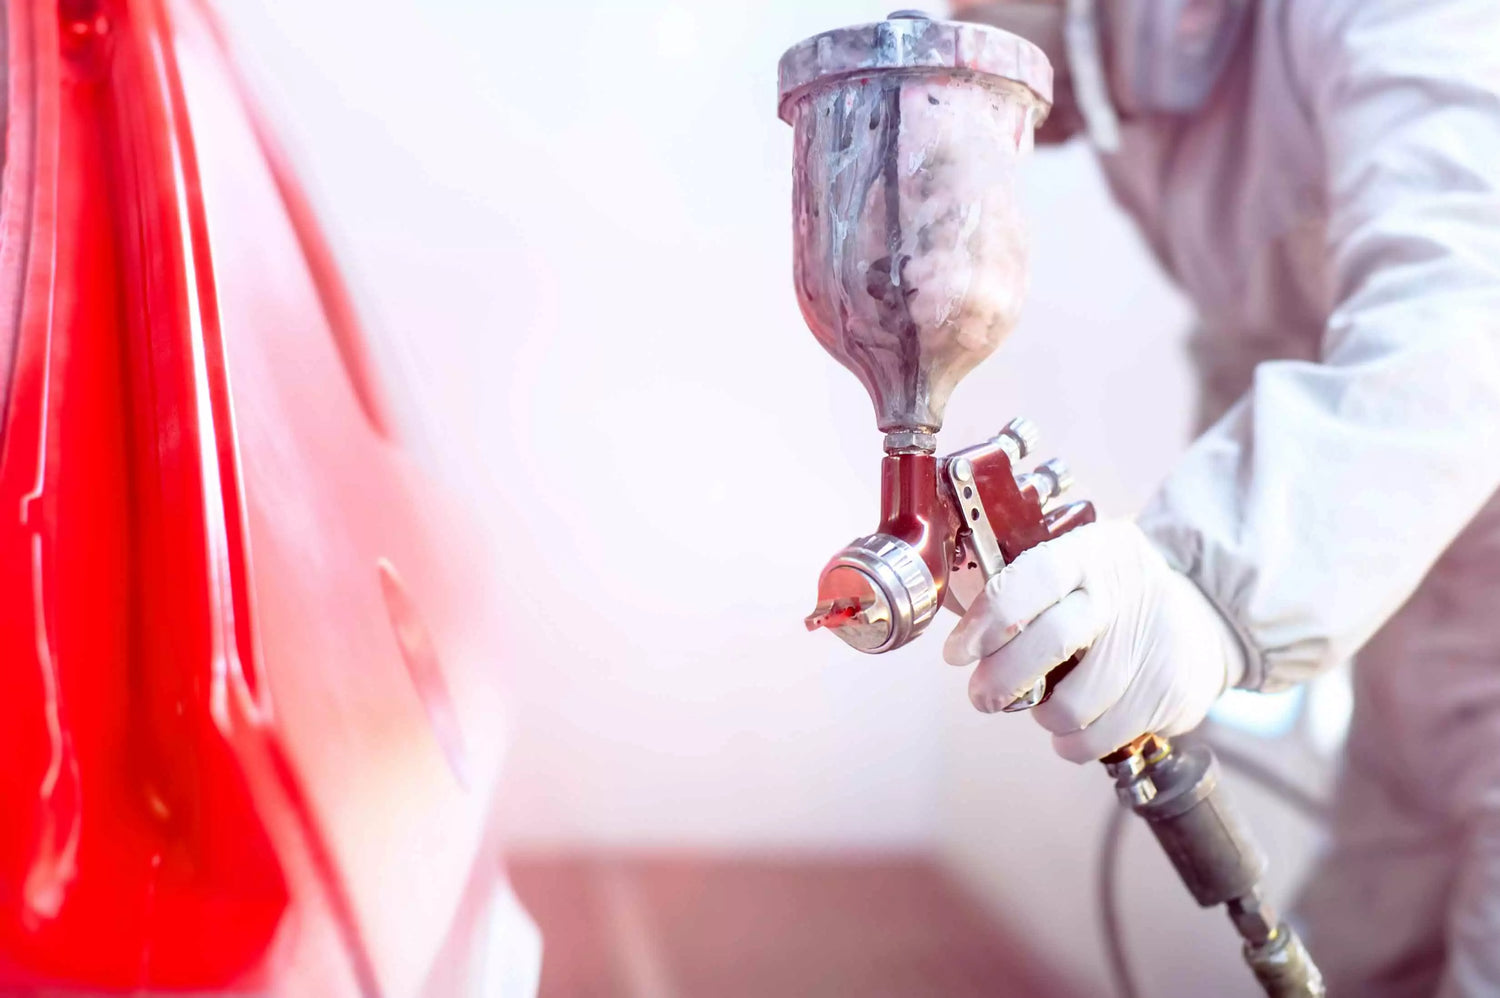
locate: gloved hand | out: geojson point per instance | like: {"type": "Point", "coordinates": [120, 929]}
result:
{"type": "Point", "coordinates": [1159, 653]}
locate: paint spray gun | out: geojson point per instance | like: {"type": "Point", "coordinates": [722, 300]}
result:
{"type": "Point", "coordinates": [910, 266]}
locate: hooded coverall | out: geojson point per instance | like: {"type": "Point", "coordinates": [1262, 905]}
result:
{"type": "Point", "coordinates": [1333, 209]}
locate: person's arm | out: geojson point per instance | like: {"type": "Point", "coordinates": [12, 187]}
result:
{"type": "Point", "coordinates": [1314, 508]}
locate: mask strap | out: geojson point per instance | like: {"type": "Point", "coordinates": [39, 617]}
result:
{"type": "Point", "coordinates": [1086, 66]}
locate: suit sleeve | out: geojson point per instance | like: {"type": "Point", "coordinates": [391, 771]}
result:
{"type": "Point", "coordinates": [1316, 506]}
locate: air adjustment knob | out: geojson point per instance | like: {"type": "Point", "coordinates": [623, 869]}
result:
{"type": "Point", "coordinates": [1019, 438]}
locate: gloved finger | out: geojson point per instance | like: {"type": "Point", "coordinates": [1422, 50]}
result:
{"type": "Point", "coordinates": [1092, 743]}
{"type": "Point", "coordinates": [1064, 629]}
{"type": "Point", "coordinates": [1087, 692]}
{"type": "Point", "coordinates": [1011, 600]}
{"type": "Point", "coordinates": [1145, 707]}
{"type": "Point", "coordinates": [1130, 717]}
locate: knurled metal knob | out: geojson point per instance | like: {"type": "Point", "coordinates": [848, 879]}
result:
{"type": "Point", "coordinates": [1022, 436]}
{"type": "Point", "coordinates": [1061, 475]}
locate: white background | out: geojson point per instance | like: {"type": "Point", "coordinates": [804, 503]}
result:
{"type": "Point", "coordinates": [569, 228]}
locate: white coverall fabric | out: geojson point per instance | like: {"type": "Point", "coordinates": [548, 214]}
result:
{"type": "Point", "coordinates": [1334, 212]}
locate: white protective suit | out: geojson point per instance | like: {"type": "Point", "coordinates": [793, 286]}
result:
{"type": "Point", "coordinates": [1333, 209]}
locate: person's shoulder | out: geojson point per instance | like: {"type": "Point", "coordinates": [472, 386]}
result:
{"type": "Point", "coordinates": [1389, 37]}
{"type": "Point", "coordinates": [1334, 20]}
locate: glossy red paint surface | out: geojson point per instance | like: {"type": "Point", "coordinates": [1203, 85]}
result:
{"type": "Point", "coordinates": [1020, 522]}
{"type": "Point", "coordinates": [914, 509]}
{"type": "Point", "coordinates": [249, 704]}
{"type": "Point", "coordinates": [1017, 515]}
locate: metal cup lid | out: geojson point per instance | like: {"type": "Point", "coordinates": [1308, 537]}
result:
{"type": "Point", "coordinates": [911, 40]}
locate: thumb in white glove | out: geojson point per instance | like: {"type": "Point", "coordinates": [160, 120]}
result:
{"type": "Point", "coordinates": [1158, 652]}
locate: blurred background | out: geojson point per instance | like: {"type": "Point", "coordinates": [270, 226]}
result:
{"type": "Point", "coordinates": [568, 226]}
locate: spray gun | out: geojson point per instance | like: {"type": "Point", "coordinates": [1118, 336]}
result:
{"type": "Point", "coordinates": [910, 266]}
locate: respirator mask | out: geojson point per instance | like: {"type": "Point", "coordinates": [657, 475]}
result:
{"type": "Point", "coordinates": [1167, 55]}
{"type": "Point", "coordinates": [1131, 57]}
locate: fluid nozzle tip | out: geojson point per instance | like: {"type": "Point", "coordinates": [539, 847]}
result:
{"type": "Point", "coordinates": [834, 613]}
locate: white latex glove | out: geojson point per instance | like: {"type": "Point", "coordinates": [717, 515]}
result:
{"type": "Point", "coordinates": [1159, 653]}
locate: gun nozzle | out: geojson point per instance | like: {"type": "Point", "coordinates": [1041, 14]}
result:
{"type": "Point", "coordinates": [836, 613]}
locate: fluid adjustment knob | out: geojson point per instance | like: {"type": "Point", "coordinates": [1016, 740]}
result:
{"type": "Point", "coordinates": [1019, 438]}
{"type": "Point", "coordinates": [1050, 480]}
{"type": "Point", "coordinates": [1061, 475]}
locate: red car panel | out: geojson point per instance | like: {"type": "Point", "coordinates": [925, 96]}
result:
{"type": "Point", "coordinates": [248, 679]}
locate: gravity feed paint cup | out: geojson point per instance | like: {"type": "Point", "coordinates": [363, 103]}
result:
{"type": "Point", "coordinates": [909, 252]}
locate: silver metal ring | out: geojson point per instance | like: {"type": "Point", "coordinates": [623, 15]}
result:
{"type": "Point", "coordinates": [901, 575]}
